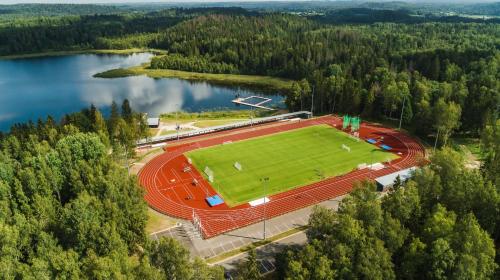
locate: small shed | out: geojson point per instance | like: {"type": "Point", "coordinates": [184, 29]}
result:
{"type": "Point", "coordinates": [154, 122]}
{"type": "Point", "coordinates": [387, 181]}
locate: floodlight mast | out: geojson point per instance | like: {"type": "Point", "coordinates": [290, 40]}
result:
{"type": "Point", "coordinates": [371, 162]}
{"type": "Point", "coordinates": [402, 112]}
{"type": "Point", "coordinates": [177, 122]}
{"type": "Point", "coordinates": [436, 141]}
{"type": "Point", "coordinates": [126, 160]}
{"type": "Point", "coordinates": [312, 102]}
{"type": "Point", "coordinates": [265, 180]}
{"type": "Point", "coordinates": [251, 115]}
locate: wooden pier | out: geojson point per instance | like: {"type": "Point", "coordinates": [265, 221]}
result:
{"type": "Point", "coordinates": [243, 101]}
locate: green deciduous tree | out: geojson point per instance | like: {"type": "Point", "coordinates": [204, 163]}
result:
{"type": "Point", "coordinates": [447, 118]}
{"type": "Point", "coordinates": [173, 259]}
{"type": "Point", "coordinates": [250, 268]}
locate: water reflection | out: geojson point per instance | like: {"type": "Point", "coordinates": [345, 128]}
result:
{"type": "Point", "coordinates": [32, 88]}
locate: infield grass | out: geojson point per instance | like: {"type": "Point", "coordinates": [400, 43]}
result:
{"type": "Point", "coordinates": [289, 159]}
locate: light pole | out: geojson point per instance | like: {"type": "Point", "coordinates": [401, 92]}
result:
{"type": "Point", "coordinates": [301, 100]}
{"type": "Point", "coordinates": [402, 111]}
{"type": "Point", "coordinates": [312, 102]}
{"type": "Point", "coordinates": [436, 142]}
{"type": "Point", "coordinates": [126, 160]}
{"type": "Point", "coordinates": [177, 121]}
{"type": "Point", "coordinates": [251, 116]}
{"type": "Point", "coordinates": [265, 180]}
{"type": "Point", "coordinates": [371, 162]}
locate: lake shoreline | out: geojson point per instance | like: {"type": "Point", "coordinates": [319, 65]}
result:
{"type": "Point", "coordinates": [266, 83]}
{"type": "Point", "coordinates": [68, 86]}
{"type": "Point", "coordinates": [252, 81]}
{"type": "Point", "coordinates": [75, 52]}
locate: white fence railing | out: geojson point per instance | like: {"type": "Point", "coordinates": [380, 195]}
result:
{"type": "Point", "coordinates": [164, 138]}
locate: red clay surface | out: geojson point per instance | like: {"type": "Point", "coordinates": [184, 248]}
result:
{"type": "Point", "coordinates": [170, 190]}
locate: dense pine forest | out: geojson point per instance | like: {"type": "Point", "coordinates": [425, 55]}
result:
{"type": "Point", "coordinates": [69, 209]}
{"type": "Point", "coordinates": [442, 224]}
{"type": "Point", "coordinates": [435, 68]}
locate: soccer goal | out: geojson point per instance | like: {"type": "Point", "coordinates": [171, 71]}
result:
{"type": "Point", "coordinates": [237, 165]}
{"type": "Point", "coordinates": [345, 147]}
{"type": "Point", "coordinates": [209, 173]}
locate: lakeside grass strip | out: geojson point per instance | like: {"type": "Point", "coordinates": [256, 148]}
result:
{"type": "Point", "coordinates": [265, 82]}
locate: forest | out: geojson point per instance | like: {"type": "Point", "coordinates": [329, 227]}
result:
{"type": "Point", "coordinates": [70, 210]}
{"type": "Point", "coordinates": [442, 224]}
{"type": "Point", "coordinates": [433, 67]}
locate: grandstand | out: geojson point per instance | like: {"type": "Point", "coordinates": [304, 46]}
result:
{"type": "Point", "coordinates": [163, 138]}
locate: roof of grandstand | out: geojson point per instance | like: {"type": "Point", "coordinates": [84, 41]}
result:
{"type": "Point", "coordinates": [388, 180]}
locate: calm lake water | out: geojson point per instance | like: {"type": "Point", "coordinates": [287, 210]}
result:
{"type": "Point", "coordinates": [38, 87]}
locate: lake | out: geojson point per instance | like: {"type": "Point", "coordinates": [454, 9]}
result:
{"type": "Point", "coordinates": [38, 87]}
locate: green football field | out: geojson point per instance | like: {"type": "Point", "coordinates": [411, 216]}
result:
{"type": "Point", "coordinates": [289, 159]}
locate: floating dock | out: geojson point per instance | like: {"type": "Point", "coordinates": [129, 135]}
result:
{"type": "Point", "coordinates": [261, 100]}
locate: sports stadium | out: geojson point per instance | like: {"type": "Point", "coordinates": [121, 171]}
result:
{"type": "Point", "coordinates": [228, 179]}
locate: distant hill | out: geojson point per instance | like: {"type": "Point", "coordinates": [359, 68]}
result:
{"type": "Point", "coordinates": [469, 8]}
{"type": "Point", "coordinates": [366, 15]}
{"type": "Point", "coordinates": [58, 9]}
{"type": "Point", "coordinates": [403, 15]}
{"type": "Point", "coordinates": [489, 9]}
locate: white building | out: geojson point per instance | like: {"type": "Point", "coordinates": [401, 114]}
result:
{"type": "Point", "coordinates": [387, 181]}
{"type": "Point", "coordinates": [153, 122]}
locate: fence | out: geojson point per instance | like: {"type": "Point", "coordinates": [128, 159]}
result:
{"type": "Point", "coordinates": [157, 139]}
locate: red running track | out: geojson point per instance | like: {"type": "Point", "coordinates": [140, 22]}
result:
{"type": "Point", "coordinates": [169, 190]}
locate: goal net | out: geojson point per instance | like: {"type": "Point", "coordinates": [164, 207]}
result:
{"type": "Point", "coordinates": [345, 147]}
{"type": "Point", "coordinates": [209, 173]}
{"type": "Point", "coordinates": [237, 165]}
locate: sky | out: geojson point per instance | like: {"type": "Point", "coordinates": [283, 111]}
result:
{"type": "Point", "coordinates": [186, 1]}
{"type": "Point", "coordinates": [123, 1]}
{"type": "Point", "coordinates": [206, 1]}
